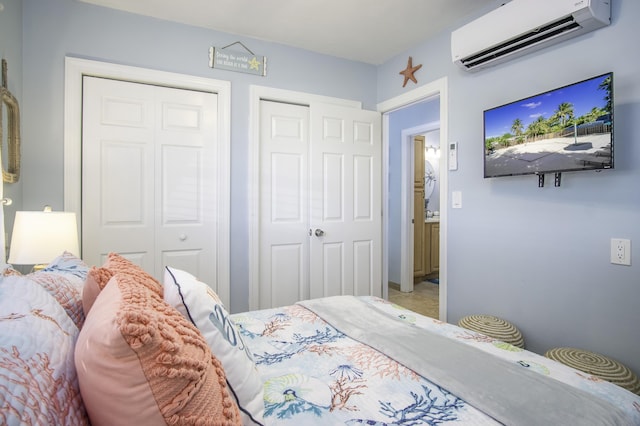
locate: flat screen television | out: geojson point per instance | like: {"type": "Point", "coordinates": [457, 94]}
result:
{"type": "Point", "coordinates": [563, 130]}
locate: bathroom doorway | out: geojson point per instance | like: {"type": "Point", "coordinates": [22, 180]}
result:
{"type": "Point", "coordinates": [419, 111]}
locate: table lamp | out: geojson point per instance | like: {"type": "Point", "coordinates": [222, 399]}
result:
{"type": "Point", "coordinates": [40, 236]}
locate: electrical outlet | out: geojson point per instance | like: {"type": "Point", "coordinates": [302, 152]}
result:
{"type": "Point", "coordinates": [621, 251]}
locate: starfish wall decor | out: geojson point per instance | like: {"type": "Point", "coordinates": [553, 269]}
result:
{"type": "Point", "coordinates": [409, 71]}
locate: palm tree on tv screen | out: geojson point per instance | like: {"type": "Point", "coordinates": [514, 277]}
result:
{"type": "Point", "coordinates": [517, 128]}
{"type": "Point", "coordinates": [539, 127]}
{"type": "Point", "coordinates": [606, 86]}
{"type": "Point", "coordinates": [564, 114]}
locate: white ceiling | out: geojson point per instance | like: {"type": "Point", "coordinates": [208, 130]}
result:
{"type": "Point", "coordinates": [370, 31]}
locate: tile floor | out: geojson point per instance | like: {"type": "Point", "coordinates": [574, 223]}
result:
{"type": "Point", "coordinates": [424, 299]}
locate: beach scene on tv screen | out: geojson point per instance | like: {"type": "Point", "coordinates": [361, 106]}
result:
{"type": "Point", "coordinates": [565, 129]}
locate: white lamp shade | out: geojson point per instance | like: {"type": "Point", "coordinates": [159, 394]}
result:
{"type": "Point", "coordinates": [40, 237]}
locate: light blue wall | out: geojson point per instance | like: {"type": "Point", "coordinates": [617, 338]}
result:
{"type": "Point", "coordinates": [539, 257]}
{"type": "Point", "coordinates": [56, 28]}
{"type": "Point", "coordinates": [11, 51]}
{"type": "Point", "coordinates": [415, 115]}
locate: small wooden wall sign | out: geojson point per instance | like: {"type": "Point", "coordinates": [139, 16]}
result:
{"type": "Point", "coordinates": [233, 60]}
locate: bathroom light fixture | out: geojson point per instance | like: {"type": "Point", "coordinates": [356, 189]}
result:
{"type": "Point", "coordinates": [432, 151]}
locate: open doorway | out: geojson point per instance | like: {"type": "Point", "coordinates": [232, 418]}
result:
{"type": "Point", "coordinates": [422, 295]}
{"type": "Point", "coordinates": [421, 110]}
{"type": "Point", "coordinates": [421, 292]}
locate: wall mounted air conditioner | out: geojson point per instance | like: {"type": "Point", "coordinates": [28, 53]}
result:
{"type": "Point", "coordinates": [523, 26]}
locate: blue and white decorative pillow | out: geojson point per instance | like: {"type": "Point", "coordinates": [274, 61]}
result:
{"type": "Point", "coordinates": [37, 371]}
{"type": "Point", "coordinates": [64, 279]}
{"type": "Point", "coordinates": [202, 306]}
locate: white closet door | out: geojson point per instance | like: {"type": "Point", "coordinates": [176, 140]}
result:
{"type": "Point", "coordinates": [346, 201]}
{"type": "Point", "coordinates": [319, 172]}
{"type": "Point", "coordinates": [284, 205]}
{"type": "Point", "coordinates": [148, 187]}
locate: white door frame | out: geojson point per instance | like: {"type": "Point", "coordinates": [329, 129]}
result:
{"type": "Point", "coordinates": [258, 93]}
{"type": "Point", "coordinates": [429, 90]}
{"type": "Point", "coordinates": [76, 68]}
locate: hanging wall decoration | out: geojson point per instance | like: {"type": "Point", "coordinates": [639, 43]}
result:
{"type": "Point", "coordinates": [12, 173]}
{"type": "Point", "coordinates": [409, 71]}
{"type": "Point", "coordinates": [233, 60]}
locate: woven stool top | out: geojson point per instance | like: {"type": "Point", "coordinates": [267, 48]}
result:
{"type": "Point", "coordinates": [597, 365]}
{"type": "Point", "coordinates": [493, 327]}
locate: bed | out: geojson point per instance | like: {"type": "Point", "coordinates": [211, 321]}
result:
{"type": "Point", "coordinates": [109, 344]}
{"type": "Point", "coordinates": [314, 373]}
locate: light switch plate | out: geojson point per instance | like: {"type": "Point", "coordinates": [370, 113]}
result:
{"type": "Point", "coordinates": [456, 199]}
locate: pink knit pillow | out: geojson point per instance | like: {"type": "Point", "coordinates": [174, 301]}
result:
{"type": "Point", "coordinates": [116, 263]}
{"type": "Point", "coordinates": [98, 277]}
{"type": "Point", "coordinates": [139, 361]}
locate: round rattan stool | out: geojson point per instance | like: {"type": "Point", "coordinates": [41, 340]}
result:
{"type": "Point", "coordinates": [493, 327]}
{"type": "Point", "coordinates": [597, 365]}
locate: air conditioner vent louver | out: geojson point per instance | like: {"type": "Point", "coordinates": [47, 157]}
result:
{"type": "Point", "coordinates": [562, 26]}
{"type": "Point", "coordinates": [523, 26]}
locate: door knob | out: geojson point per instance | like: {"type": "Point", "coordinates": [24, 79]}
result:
{"type": "Point", "coordinates": [182, 237]}
{"type": "Point", "coordinates": [319, 232]}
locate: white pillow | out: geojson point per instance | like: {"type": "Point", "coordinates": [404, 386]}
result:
{"type": "Point", "coordinates": [201, 305]}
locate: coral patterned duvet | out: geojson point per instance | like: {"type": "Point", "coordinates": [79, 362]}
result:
{"type": "Point", "coordinates": [314, 374]}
